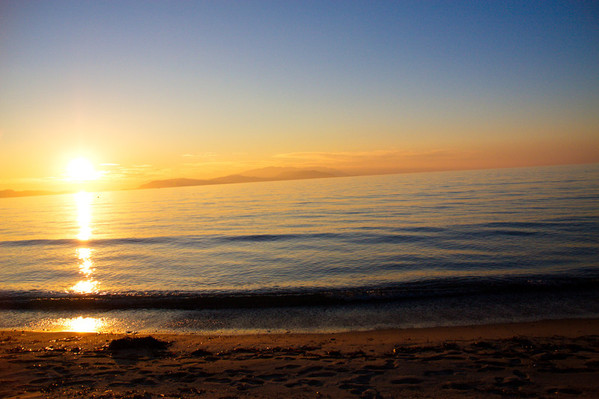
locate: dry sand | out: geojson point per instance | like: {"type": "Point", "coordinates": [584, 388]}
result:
{"type": "Point", "coordinates": [550, 359]}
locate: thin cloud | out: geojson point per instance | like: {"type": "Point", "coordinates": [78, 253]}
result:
{"type": "Point", "coordinates": [362, 156]}
{"type": "Point", "coordinates": [202, 155]}
{"type": "Point", "coordinates": [378, 161]}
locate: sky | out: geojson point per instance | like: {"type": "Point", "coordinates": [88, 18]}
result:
{"type": "Point", "coordinates": [165, 89]}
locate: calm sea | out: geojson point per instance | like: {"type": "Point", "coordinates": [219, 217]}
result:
{"type": "Point", "coordinates": [336, 254]}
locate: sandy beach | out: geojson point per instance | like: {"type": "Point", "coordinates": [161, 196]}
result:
{"type": "Point", "coordinates": [551, 359]}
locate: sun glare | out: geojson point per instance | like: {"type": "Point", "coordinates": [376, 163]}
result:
{"type": "Point", "coordinates": [81, 169]}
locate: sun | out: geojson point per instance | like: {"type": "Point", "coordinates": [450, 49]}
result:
{"type": "Point", "coordinates": [81, 169]}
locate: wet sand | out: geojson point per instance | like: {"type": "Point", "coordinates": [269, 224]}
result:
{"type": "Point", "coordinates": [548, 359]}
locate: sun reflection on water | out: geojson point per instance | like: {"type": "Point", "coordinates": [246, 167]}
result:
{"type": "Point", "coordinates": [85, 267]}
{"type": "Point", "coordinates": [85, 287]}
{"type": "Point", "coordinates": [83, 200]}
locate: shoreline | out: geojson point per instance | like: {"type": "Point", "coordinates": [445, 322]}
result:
{"type": "Point", "coordinates": [553, 358]}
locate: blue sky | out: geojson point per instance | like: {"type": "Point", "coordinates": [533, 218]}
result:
{"type": "Point", "coordinates": [248, 82]}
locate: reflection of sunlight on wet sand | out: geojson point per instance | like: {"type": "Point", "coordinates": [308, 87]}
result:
{"type": "Point", "coordinates": [81, 324]}
{"type": "Point", "coordinates": [84, 323]}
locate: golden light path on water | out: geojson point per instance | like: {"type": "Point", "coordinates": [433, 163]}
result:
{"type": "Point", "coordinates": [83, 201]}
{"type": "Point", "coordinates": [88, 285]}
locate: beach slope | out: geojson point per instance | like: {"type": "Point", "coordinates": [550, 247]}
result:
{"type": "Point", "coordinates": [541, 359]}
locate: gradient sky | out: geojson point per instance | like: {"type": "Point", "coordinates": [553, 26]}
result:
{"type": "Point", "coordinates": [164, 89]}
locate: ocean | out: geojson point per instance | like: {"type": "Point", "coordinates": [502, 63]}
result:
{"type": "Point", "coordinates": [337, 254]}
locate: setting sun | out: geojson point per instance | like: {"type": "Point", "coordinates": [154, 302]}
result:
{"type": "Point", "coordinates": [81, 169]}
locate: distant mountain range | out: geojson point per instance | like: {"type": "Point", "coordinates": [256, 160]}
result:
{"type": "Point", "coordinates": [250, 176]}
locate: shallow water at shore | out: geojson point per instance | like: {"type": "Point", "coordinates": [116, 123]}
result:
{"type": "Point", "coordinates": [402, 250]}
{"type": "Point", "coordinates": [419, 313]}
